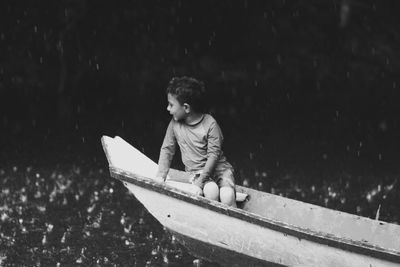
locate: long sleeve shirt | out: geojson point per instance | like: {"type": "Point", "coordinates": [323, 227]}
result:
{"type": "Point", "coordinates": [200, 146]}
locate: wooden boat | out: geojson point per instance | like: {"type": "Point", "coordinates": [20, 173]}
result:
{"type": "Point", "coordinates": [264, 230]}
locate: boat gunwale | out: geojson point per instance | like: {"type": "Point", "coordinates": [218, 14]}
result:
{"type": "Point", "coordinates": [298, 232]}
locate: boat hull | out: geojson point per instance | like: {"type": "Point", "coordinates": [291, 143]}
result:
{"type": "Point", "coordinates": [217, 254]}
{"type": "Point", "coordinates": [223, 233]}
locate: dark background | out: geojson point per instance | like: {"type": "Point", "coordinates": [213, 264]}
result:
{"type": "Point", "coordinates": [306, 92]}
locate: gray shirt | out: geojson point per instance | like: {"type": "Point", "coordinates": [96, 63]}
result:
{"type": "Point", "coordinates": [200, 146]}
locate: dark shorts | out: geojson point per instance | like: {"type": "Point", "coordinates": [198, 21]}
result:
{"type": "Point", "coordinates": [223, 176]}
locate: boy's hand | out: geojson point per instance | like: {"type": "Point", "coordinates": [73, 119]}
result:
{"type": "Point", "coordinates": [159, 179]}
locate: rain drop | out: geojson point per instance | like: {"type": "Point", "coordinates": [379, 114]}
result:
{"type": "Point", "coordinates": [91, 208]}
{"type": "Point", "coordinates": [4, 217]}
{"type": "Point", "coordinates": [128, 229]}
{"type": "Point", "coordinates": [65, 201]}
{"type": "Point", "coordinates": [49, 227]}
{"type": "Point", "coordinates": [63, 237]}
{"type": "Point", "coordinates": [44, 239]}
{"type": "Point", "coordinates": [197, 262]}
{"type": "Point", "coordinates": [165, 259]}
{"type": "Point", "coordinates": [369, 197]}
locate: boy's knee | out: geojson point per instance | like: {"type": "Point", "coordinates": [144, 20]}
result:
{"type": "Point", "coordinates": [195, 190]}
{"type": "Point", "coordinates": [211, 191]}
{"type": "Point", "coordinates": [227, 196]}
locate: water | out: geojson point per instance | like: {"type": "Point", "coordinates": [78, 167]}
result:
{"type": "Point", "coordinates": [78, 215]}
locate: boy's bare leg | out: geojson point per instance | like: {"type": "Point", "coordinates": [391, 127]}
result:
{"type": "Point", "coordinates": [227, 196]}
{"type": "Point", "coordinates": [211, 191]}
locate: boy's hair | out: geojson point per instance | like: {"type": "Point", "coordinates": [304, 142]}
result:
{"type": "Point", "coordinates": [188, 90]}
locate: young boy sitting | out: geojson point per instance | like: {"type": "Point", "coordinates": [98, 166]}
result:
{"type": "Point", "coordinates": [200, 140]}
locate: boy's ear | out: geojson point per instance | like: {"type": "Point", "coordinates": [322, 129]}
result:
{"type": "Point", "coordinates": [186, 107]}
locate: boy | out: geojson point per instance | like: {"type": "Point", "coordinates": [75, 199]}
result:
{"type": "Point", "coordinates": [199, 138]}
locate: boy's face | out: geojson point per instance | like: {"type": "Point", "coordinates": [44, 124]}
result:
{"type": "Point", "coordinates": [178, 111]}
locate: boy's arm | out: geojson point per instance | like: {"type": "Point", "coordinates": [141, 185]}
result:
{"type": "Point", "coordinates": [167, 152]}
{"type": "Point", "coordinates": [214, 146]}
